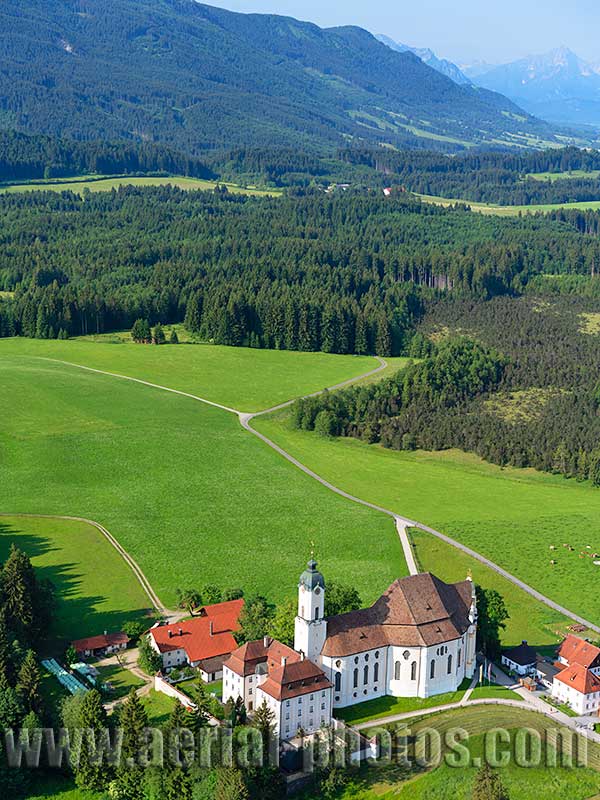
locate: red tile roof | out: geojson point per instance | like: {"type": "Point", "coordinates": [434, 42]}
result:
{"type": "Point", "coordinates": [270, 652]}
{"type": "Point", "coordinates": [580, 679]}
{"type": "Point", "coordinates": [295, 679]}
{"type": "Point", "coordinates": [100, 641]}
{"type": "Point", "coordinates": [202, 637]}
{"type": "Point", "coordinates": [577, 651]}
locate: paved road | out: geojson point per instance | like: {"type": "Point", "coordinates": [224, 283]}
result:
{"type": "Point", "coordinates": [401, 522]}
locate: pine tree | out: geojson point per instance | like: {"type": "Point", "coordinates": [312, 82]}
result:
{"type": "Point", "coordinates": [90, 772]}
{"type": "Point", "coordinates": [130, 774]}
{"type": "Point", "coordinates": [193, 313]}
{"type": "Point", "coordinates": [19, 588]}
{"type": "Point", "coordinates": [230, 784]}
{"type": "Point", "coordinates": [28, 683]}
{"type": "Point", "coordinates": [11, 709]}
{"type": "Point", "coordinates": [6, 663]}
{"type": "Point", "coordinates": [177, 722]}
{"type": "Point", "coordinates": [173, 338]}
{"type": "Point", "coordinates": [264, 722]}
{"type": "Point", "coordinates": [158, 334]}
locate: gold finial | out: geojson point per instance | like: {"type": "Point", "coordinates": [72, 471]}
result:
{"type": "Point", "coordinates": [469, 574]}
{"type": "Point", "coordinates": [312, 550]}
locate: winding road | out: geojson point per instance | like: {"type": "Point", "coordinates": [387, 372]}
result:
{"type": "Point", "coordinates": [402, 523]}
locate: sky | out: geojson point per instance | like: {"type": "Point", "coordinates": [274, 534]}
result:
{"type": "Point", "coordinates": [461, 30]}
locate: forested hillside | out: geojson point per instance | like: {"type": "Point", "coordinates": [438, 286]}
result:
{"type": "Point", "coordinates": [24, 158]}
{"type": "Point", "coordinates": [341, 273]}
{"type": "Point", "coordinates": [521, 390]}
{"type": "Point", "coordinates": [194, 76]}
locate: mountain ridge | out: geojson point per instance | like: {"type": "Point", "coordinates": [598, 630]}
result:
{"type": "Point", "coordinates": [196, 76]}
{"type": "Point", "coordinates": [427, 56]}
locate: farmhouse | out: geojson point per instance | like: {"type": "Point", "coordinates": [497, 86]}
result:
{"type": "Point", "coordinates": [103, 644]}
{"type": "Point", "coordinates": [578, 687]}
{"type": "Point", "coordinates": [521, 659]}
{"type": "Point", "coordinates": [203, 642]}
{"type": "Point", "coordinates": [575, 650]}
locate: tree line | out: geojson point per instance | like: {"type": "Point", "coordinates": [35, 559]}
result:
{"type": "Point", "coordinates": [341, 273]}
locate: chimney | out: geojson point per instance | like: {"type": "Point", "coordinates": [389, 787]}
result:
{"type": "Point", "coordinates": [211, 628]}
{"type": "Point", "coordinates": [524, 641]}
{"type": "Point", "coordinates": [181, 631]}
{"type": "Point", "coordinates": [265, 642]}
{"type": "Point", "coordinates": [106, 633]}
{"type": "Point", "coordinates": [301, 655]}
{"type": "Point", "coordinates": [283, 661]}
{"type": "Point", "coordinates": [170, 633]}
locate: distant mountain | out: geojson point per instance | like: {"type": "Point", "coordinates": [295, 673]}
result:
{"type": "Point", "coordinates": [195, 76]}
{"type": "Point", "coordinates": [428, 57]}
{"type": "Point", "coordinates": [557, 86]}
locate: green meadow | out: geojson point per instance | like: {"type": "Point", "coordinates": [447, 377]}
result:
{"type": "Point", "coordinates": [96, 590]}
{"type": "Point", "coordinates": [242, 378]}
{"type": "Point", "coordinates": [510, 211]}
{"type": "Point", "coordinates": [192, 496]}
{"type": "Point", "coordinates": [529, 619]}
{"type": "Point", "coordinates": [106, 184]}
{"type": "Point", "coordinates": [511, 516]}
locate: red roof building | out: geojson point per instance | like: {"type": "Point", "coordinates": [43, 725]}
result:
{"type": "Point", "coordinates": [203, 642]}
{"type": "Point", "coordinates": [578, 687]}
{"type": "Point", "coordinates": [575, 650]}
{"type": "Point", "coordinates": [104, 643]}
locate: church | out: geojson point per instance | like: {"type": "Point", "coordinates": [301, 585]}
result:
{"type": "Point", "coordinates": [416, 640]}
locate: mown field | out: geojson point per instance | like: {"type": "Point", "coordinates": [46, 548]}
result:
{"type": "Point", "coordinates": [99, 184]}
{"type": "Point", "coordinates": [511, 516]}
{"type": "Point", "coordinates": [242, 378]}
{"type": "Point", "coordinates": [447, 781]}
{"type": "Point", "coordinates": [511, 211]}
{"type": "Point", "coordinates": [96, 590]}
{"type": "Point", "coordinates": [191, 495]}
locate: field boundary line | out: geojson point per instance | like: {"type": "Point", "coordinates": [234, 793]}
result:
{"type": "Point", "coordinates": [129, 560]}
{"type": "Point", "coordinates": [246, 422]}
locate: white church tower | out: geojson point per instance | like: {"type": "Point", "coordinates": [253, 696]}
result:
{"type": "Point", "coordinates": [310, 629]}
{"type": "Point", "coordinates": [471, 643]}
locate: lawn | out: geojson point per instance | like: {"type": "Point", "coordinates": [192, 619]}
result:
{"type": "Point", "coordinates": [188, 687]}
{"type": "Point", "coordinates": [96, 590]}
{"type": "Point", "coordinates": [529, 619]}
{"type": "Point", "coordinates": [192, 496]}
{"type": "Point", "coordinates": [512, 516]}
{"type": "Point", "coordinates": [59, 787]}
{"type": "Point", "coordinates": [510, 211]}
{"type": "Point", "coordinates": [449, 782]}
{"type": "Point", "coordinates": [494, 692]}
{"type": "Point", "coordinates": [158, 707]}
{"type": "Point", "coordinates": [562, 176]}
{"type": "Point", "coordinates": [387, 706]}
{"type": "Point", "coordinates": [243, 378]}
{"type": "Point", "coordinates": [106, 184]}
{"type": "Point", "coordinates": [121, 679]}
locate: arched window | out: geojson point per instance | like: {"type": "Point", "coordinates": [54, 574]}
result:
{"type": "Point", "coordinates": [397, 671]}
{"type": "Point", "coordinates": [338, 681]}
{"type": "Point", "coordinates": [376, 673]}
{"type": "Point", "coordinates": [449, 663]}
{"type": "Point", "coordinates": [458, 659]}
{"type": "Point", "coordinates": [355, 678]}
{"type": "Point", "coordinates": [413, 671]}
{"type": "Point", "coordinates": [432, 669]}
{"type": "Point", "coordinates": [317, 612]}
{"type": "Point", "coordinates": [366, 675]}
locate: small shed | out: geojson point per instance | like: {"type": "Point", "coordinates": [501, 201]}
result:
{"type": "Point", "coordinates": [521, 659]}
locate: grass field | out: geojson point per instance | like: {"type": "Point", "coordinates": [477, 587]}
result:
{"type": "Point", "coordinates": [386, 706]}
{"type": "Point", "coordinates": [529, 619]}
{"type": "Point", "coordinates": [450, 782]}
{"type": "Point", "coordinates": [100, 184]}
{"type": "Point", "coordinates": [512, 516]}
{"type": "Point", "coordinates": [96, 590]}
{"type": "Point", "coordinates": [564, 176]}
{"type": "Point", "coordinates": [243, 378]}
{"type": "Point", "coordinates": [192, 496]}
{"type": "Point", "coordinates": [510, 211]}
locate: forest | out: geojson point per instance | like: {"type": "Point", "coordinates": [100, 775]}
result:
{"type": "Point", "coordinates": [24, 158]}
{"type": "Point", "coordinates": [511, 379]}
{"type": "Point", "coordinates": [499, 177]}
{"type": "Point", "coordinates": [344, 273]}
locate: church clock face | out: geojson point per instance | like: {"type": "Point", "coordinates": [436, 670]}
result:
{"type": "Point", "coordinates": [317, 590]}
